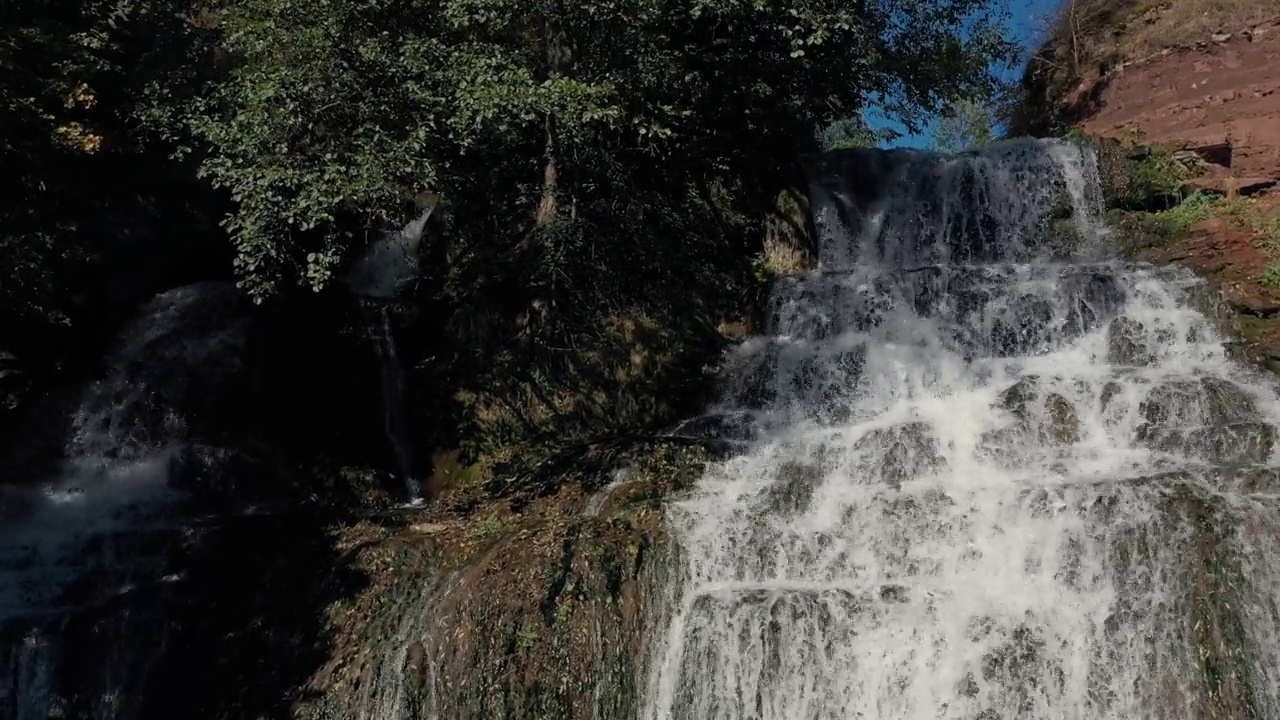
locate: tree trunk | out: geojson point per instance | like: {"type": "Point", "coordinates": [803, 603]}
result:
{"type": "Point", "coordinates": [548, 206]}
{"type": "Point", "coordinates": [559, 59]}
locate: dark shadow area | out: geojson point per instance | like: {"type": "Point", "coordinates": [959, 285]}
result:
{"type": "Point", "coordinates": [246, 625]}
{"type": "Point", "coordinates": [234, 626]}
{"type": "Point", "coordinates": [606, 326]}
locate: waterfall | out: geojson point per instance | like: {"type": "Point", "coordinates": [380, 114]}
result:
{"type": "Point", "coordinates": [381, 274]}
{"type": "Point", "coordinates": [84, 554]}
{"type": "Point", "coordinates": [394, 416]}
{"type": "Point", "coordinates": [988, 480]}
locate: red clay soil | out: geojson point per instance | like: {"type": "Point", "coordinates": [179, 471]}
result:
{"type": "Point", "coordinates": [1225, 90]}
{"type": "Point", "coordinates": [1228, 257]}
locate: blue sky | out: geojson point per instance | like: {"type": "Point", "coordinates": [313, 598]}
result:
{"type": "Point", "coordinates": [1027, 18]}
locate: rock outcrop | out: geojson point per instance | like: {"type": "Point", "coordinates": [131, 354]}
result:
{"type": "Point", "coordinates": [1223, 96]}
{"type": "Point", "coordinates": [1185, 97]}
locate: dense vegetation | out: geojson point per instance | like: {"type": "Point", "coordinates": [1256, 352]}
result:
{"type": "Point", "coordinates": [604, 173]}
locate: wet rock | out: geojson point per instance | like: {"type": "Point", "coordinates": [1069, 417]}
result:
{"type": "Point", "coordinates": [1024, 326]}
{"type": "Point", "coordinates": [1042, 503]}
{"type": "Point", "coordinates": [1212, 418]}
{"type": "Point", "coordinates": [1227, 402]}
{"type": "Point", "coordinates": [755, 383]}
{"type": "Point", "coordinates": [1053, 420]}
{"type": "Point", "coordinates": [715, 428]}
{"type": "Point", "coordinates": [1167, 403]}
{"type": "Point", "coordinates": [1110, 391]}
{"type": "Point", "coordinates": [1249, 480]}
{"type": "Point", "coordinates": [1064, 424]}
{"type": "Point", "coordinates": [1237, 443]}
{"type": "Point", "coordinates": [968, 687]}
{"type": "Point", "coordinates": [1189, 403]}
{"type": "Point", "coordinates": [1126, 343]}
{"type": "Point", "coordinates": [894, 594]}
{"type": "Point", "coordinates": [13, 382]}
{"type": "Point", "coordinates": [1021, 663]}
{"type": "Point", "coordinates": [1018, 398]}
{"type": "Point", "coordinates": [221, 477]}
{"type": "Point", "coordinates": [902, 452]}
{"type": "Point", "coordinates": [794, 490]}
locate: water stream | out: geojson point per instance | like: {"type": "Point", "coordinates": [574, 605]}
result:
{"type": "Point", "coordinates": [990, 480]}
{"type": "Point", "coordinates": [385, 270]}
{"type": "Point", "coordinates": [83, 554]}
{"type": "Point", "coordinates": [394, 399]}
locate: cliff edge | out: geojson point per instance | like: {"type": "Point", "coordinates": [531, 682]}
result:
{"type": "Point", "coordinates": [1187, 94]}
{"type": "Point", "coordinates": [1198, 73]}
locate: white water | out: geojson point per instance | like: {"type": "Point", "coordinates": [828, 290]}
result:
{"type": "Point", "coordinates": [394, 420]}
{"type": "Point", "coordinates": [385, 270]}
{"type": "Point", "coordinates": [901, 542]}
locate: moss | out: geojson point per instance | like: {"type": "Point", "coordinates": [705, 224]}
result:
{"type": "Point", "coordinates": [1139, 177]}
{"type": "Point", "coordinates": [1218, 630]}
{"type": "Point", "coordinates": [1137, 231]}
{"type": "Point", "coordinates": [790, 240]}
{"type": "Point", "coordinates": [535, 613]}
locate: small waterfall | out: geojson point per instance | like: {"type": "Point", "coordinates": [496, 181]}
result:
{"type": "Point", "coordinates": [394, 416]}
{"type": "Point", "coordinates": [378, 277]}
{"type": "Point", "coordinates": [987, 480]}
{"type": "Point", "coordinates": [83, 555]}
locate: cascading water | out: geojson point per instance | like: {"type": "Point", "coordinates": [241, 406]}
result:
{"type": "Point", "coordinates": [81, 554]}
{"type": "Point", "coordinates": [394, 418]}
{"type": "Point", "coordinates": [988, 481]}
{"type": "Point", "coordinates": [388, 265]}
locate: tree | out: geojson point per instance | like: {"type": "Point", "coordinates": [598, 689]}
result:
{"type": "Point", "coordinates": [338, 113]}
{"type": "Point", "coordinates": [966, 124]}
{"type": "Point", "coordinates": [75, 168]}
{"type": "Point", "coordinates": [852, 133]}
{"type": "Point", "coordinates": [604, 170]}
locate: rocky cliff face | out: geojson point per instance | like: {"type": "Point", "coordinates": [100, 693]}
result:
{"type": "Point", "coordinates": [1224, 94]}
{"type": "Point", "coordinates": [1197, 73]}
{"type": "Point", "coordinates": [1188, 94]}
{"type": "Point", "coordinates": [541, 613]}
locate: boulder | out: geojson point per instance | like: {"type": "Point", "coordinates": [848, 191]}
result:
{"type": "Point", "coordinates": [1234, 444]}
{"type": "Point", "coordinates": [1126, 343]}
{"type": "Point", "coordinates": [900, 453]}
{"type": "Point", "coordinates": [1063, 426]}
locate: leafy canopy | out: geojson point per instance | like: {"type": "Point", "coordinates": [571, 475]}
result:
{"type": "Point", "coordinates": [73, 80]}
{"type": "Point", "coordinates": [965, 124]}
{"type": "Point", "coordinates": [336, 114]}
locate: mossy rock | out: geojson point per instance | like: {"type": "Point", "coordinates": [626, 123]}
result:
{"type": "Point", "coordinates": [1138, 231]}
{"type": "Point", "coordinates": [1145, 178]}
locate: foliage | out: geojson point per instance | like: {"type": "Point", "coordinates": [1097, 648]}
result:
{"type": "Point", "coordinates": [73, 80]}
{"type": "Point", "coordinates": [1271, 276]}
{"type": "Point", "coordinates": [1197, 207]}
{"type": "Point", "coordinates": [337, 114]}
{"type": "Point", "coordinates": [965, 124]}
{"type": "Point", "coordinates": [1141, 229]}
{"type": "Point", "coordinates": [1267, 228]}
{"type": "Point", "coordinates": [1136, 176]}
{"type": "Point", "coordinates": [605, 169]}
{"type": "Point", "coordinates": [853, 133]}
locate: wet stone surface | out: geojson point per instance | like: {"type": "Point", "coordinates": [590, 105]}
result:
{"type": "Point", "coordinates": [1126, 343]}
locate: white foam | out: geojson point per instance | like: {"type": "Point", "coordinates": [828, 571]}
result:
{"type": "Point", "coordinates": [1021, 576]}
